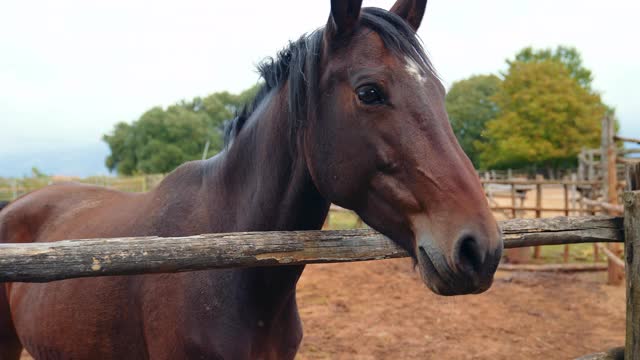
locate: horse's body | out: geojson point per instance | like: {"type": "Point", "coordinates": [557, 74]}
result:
{"type": "Point", "coordinates": [309, 139]}
{"type": "Point", "coordinates": [242, 313]}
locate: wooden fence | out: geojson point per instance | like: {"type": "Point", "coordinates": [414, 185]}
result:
{"type": "Point", "coordinates": [39, 262]}
{"type": "Point", "coordinates": [12, 188]}
{"type": "Point", "coordinates": [574, 194]}
{"type": "Point", "coordinates": [595, 188]}
{"type": "Point", "coordinates": [608, 171]}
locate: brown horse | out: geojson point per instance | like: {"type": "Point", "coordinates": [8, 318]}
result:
{"type": "Point", "coordinates": [351, 114]}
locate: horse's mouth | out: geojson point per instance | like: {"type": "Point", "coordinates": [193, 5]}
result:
{"type": "Point", "coordinates": [428, 271]}
{"type": "Point", "coordinates": [443, 281]}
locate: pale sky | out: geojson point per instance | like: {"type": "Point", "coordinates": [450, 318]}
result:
{"type": "Point", "coordinates": [69, 70]}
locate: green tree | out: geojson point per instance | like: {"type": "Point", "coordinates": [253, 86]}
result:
{"type": "Point", "coordinates": [470, 105]}
{"type": "Point", "coordinates": [567, 55]}
{"type": "Point", "coordinates": [546, 117]}
{"type": "Point", "coordinates": [570, 57]}
{"type": "Point", "coordinates": [162, 139]}
{"type": "Point", "coordinates": [122, 144]}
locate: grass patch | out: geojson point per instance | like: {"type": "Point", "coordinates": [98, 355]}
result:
{"type": "Point", "coordinates": [578, 253]}
{"type": "Point", "coordinates": [342, 220]}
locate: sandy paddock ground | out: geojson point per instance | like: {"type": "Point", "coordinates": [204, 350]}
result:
{"type": "Point", "coordinates": [381, 310]}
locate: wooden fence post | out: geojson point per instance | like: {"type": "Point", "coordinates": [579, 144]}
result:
{"type": "Point", "coordinates": [582, 157]}
{"type": "Point", "coordinates": [518, 255]}
{"type": "Point", "coordinates": [565, 256]}
{"type": "Point", "coordinates": [514, 213]}
{"type": "Point", "coordinates": [632, 260]}
{"type": "Point", "coordinates": [610, 188]}
{"type": "Point", "coordinates": [604, 146]}
{"type": "Point", "coordinates": [591, 167]}
{"type": "Point", "coordinates": [536, 250]}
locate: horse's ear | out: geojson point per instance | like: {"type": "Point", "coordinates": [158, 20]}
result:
{"type": "Point", "coordinates": [344, 17]}
{"type": "Point", "coordinates": [411, 11]}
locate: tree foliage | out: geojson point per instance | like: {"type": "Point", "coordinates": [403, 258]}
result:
{"type": "Point", "coordinates": [540, 114]}
{"type": "Point", "coordinates": [566, 55]}
{"type": "Point", "coordinates": [470, 105]}
{"type": "Point", "coordinates": [546, 117]}
{"type": "Point", "coordinates": [162, 139]}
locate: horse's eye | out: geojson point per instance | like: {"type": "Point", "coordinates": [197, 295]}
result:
{"type": "Point", "coordinates": [370, 95]}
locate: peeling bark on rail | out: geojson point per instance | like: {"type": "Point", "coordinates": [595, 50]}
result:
{"type": "Point", "coordinates": [42, 262]}
{"type": "Point", "coordinates": [562, 230]}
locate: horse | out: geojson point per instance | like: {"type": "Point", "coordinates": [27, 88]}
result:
{"type": "Point", "coordinates": [352, 114]}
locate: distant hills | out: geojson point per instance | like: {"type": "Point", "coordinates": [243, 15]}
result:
{"type": "Point", "coordinates": [70, 160]}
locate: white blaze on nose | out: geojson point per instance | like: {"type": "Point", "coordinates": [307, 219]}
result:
{"type": "Point", "coordinates": [415, 70]}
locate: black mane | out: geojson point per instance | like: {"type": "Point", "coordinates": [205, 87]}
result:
{"type": "Point", "coordinates": [298, 64]}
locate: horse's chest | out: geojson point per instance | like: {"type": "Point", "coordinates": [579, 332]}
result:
{"type": "Point", "coordinates": [219, 317]}
{"type": "Point", "coordinates": [226, 338]}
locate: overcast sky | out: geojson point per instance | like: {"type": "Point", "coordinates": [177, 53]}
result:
{"type": "Point", "coordinates": [69, 70]}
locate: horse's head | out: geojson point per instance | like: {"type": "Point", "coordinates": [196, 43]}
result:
{"type": "Point", "coordinates": [379, 142]}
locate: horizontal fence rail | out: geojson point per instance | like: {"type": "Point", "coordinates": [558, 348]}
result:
{"type": "Point", "coordinates": [42, 262]}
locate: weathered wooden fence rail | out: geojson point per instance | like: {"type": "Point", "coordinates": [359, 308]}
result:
{"type": "Point", "coordinates": [40, 262]}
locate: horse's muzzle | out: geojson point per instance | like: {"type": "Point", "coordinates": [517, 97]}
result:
{"type": "Point", "coordinates": [468, 270]}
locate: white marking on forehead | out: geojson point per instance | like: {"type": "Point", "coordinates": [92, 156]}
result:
{"type": "Point", "coordinates": [414, 70]}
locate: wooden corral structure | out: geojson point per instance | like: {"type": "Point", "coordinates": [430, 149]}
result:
{"type": "Point", "coordinates": [596, 188]}
{"type": "Point", "coordinates": [517, 190]}
{"type": "Point", "coordinates": [40, 262]}
{"type": "Point", "coordinates": [606, 167]}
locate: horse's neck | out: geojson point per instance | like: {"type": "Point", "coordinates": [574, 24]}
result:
{"type": "Point", "coordinates": [256, 184]}
{"type": "Point", "coordinates": [264, 186]}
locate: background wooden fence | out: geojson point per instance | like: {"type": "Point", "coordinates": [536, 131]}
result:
{"type": "Point", "coordinates": [12, 188]}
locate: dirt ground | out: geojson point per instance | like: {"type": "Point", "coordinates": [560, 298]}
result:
{"type": "Point", "coordinates": [381, 310]}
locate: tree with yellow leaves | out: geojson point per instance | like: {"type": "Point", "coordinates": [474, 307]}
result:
{"type": "Point", "coordinates": [546, 116]}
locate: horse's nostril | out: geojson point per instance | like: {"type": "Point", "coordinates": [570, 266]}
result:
{"type": "Point", "coordinates": [470, 255]}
